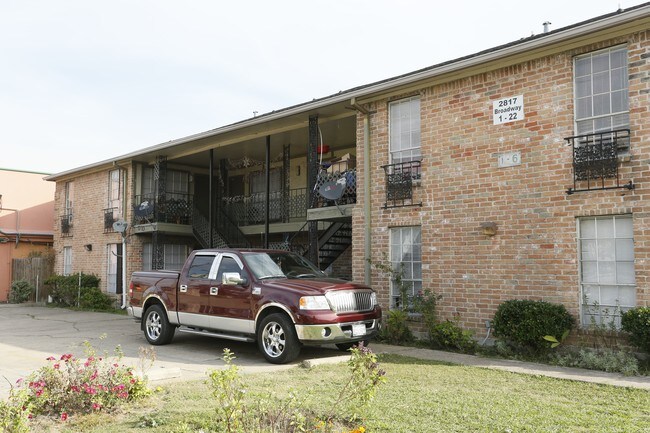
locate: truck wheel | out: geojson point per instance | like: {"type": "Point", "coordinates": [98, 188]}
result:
{"type": "Point", "coordinates": [344, 347]}
{"type": "Point", "coordinates": [277, 340]}
{"type": "Point", "coordinates": [157, 329]}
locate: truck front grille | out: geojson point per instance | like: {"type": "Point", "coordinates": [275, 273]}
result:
{"type": "Point", "coordinates": [347, 301]}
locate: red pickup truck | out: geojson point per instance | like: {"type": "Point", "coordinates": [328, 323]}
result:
{"type": "Point", "coordinates": [276, 298]}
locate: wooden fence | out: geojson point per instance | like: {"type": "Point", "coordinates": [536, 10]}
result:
{"type": "Point", "coordinates": [34, 270]}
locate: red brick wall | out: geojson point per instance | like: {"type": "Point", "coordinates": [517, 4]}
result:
{"type": "Point", "coordinates": [534, 253]}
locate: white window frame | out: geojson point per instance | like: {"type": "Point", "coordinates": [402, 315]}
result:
{"type": "Point", "coordinates": [111, 268]}
{"type": "Point", "coordinates": [406, 256]}
{"type": "Point", "coordinates": [601, 95]}
{"type": "Point", "coordinates": [67, 260]}
{"type": "Point", "coordinates": [69, 199]}
{"type": "Point", "coordinates": [405, 136]}
{"type": "Point", "coordinates": [606, 264]}
{"type": "Point", "coordinates": [115, 185]}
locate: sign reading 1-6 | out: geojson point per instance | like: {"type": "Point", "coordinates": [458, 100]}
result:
{"type": "Point", "coordinates": [508, 110]}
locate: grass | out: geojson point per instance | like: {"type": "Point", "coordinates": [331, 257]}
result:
{"type": "Point", "coordinates": [418, 396]}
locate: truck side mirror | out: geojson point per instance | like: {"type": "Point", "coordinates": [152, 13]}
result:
{"type": "Point", "coordinates": [233, 279]}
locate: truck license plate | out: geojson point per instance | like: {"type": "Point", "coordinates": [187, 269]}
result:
{"type": "Point", "coordinates": [358, 329]}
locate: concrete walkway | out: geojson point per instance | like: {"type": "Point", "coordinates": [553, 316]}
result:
{"type": "Point", "coordinates": [579, 374]}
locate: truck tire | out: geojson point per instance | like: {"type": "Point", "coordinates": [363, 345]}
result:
{"type": "Point", "coordinates": [277, 340]}
{"type": "Point", "coordinates": [157, 329]}
{"type": "Point", "coordinates": [344, 347]}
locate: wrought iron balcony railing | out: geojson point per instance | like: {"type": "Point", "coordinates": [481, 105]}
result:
{"type": "Point", "coordinates": [399, 183]}
{"type": "Point", "coordinates": [596, 162]}
{"type": "Point", "coordinates": [340, 173]}
{"type": "Point", "coordinates": [66, 224]}
{"type": "Point", "coordinates": [174, 208]}
{"type": "Point", "coordinates": [251, 209]}
{"type": "Point", "coordinates": [110, 216]}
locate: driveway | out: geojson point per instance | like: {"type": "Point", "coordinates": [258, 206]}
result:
{"type": "Point", "coordinates": [30, 334]}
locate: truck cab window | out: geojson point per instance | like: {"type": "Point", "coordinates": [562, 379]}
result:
{"type": "Point", "coordinates": [200, 267]}
{"type": "Point", "coordinates": [228, 264]}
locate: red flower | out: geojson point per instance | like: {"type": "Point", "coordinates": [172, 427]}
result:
{"type": "Point", "coordinates": [64, 416]}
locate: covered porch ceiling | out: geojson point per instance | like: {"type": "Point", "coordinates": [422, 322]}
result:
{"type": "Point", "coordinates": [337, 127]}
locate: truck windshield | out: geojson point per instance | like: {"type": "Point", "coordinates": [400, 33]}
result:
{"type": "Point", "coordinates": [263, 266]}
{"type": "Point", "coordinates": [295, 266]}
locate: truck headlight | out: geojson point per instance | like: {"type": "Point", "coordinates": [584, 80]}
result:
{"type": "Point", "coordinates": [314, 303]}
{"type": "Point", "coordinates": [373, 299]}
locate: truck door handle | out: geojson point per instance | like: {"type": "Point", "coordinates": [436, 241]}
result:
{"type": "Point", "coordinates": [183, 288]}
{"type": "Point", "coordinates": [214, 290]}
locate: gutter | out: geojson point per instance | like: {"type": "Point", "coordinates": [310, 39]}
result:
{"type": "Point", "coordinates": [528, 44]}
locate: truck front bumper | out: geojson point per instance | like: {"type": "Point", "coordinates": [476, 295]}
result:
{"type": "Point", "coordinates": [338, 332]}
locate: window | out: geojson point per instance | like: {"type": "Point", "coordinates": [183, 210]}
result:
{"type": "Point", "coordinates": [115, 191]}
{"type": "Point", "coordinates": [406, 256]}
{"type": "Point", "coordinates": [200, 267]}
{"type": "Point", "coordinates": [606, 268]}
{"type": "Point", "coordinates": [228, 264]}
{"type": "Point", "coordinates": [69, 197]}
{"type": "Point", "coordinates": [404, 123]}
{"type": "Point", "coordinates": [174, 256]}
{"type": "Point", "coordinates": [114, 270]}
{"type": "Point", "coordinates": [176, 183]}
{"type": "Point", "coordinates": [67, 260]}
{"type": "Point", "coordinates": [601, 91]}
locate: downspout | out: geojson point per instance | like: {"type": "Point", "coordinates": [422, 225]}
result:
{"type": "Point", "coordinates": [367, 234]}
{"type": "Point", "coordinates": [124, 261]}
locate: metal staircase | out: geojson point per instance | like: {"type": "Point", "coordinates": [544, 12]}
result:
{"type": "Point", "coordinates": [225, 235]}
{"type": "Point", "coordinates": [333, 242]}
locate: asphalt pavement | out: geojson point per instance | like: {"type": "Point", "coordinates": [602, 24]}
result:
{"type": "Point", "coordinates": [29, 334]}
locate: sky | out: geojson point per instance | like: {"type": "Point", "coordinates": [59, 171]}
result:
{"type": "Point", "coordinates": [82, 81]}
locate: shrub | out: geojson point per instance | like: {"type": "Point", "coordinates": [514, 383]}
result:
{"type": "Point", "coordinates": [20, 292]}
{"type": "Point", "coordinates": [606, 359]}
{"type": "Point", "coordinates": [636, 322]}
{"type": "Point", "coordinates": [68, 385]}
{"type": "Point", "coordinates": [65, 288]}
{"type": "Point", "coordinates": [450, 336]}
{"type": "Point", "coordinates": [395, 329]}
{"type": "Point", "coordinates": [426, 303]}
{"type": "Point", "coordinates": [94, 299]}
{"type": "Point", "coordinates": [526, 322]}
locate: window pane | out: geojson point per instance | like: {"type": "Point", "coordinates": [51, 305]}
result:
{"type": "Point", "coordinates": [583, 66]}
{"type": "Point", "coordinates": [601, 104]}
{"type": "Point", "coordinates": [607, 272]}
{"type": "Point", "coordinates": [608, 295]}
{"type": "Point", "coordinates": [624, 227]}
{"type": "Point", "coordinates": [627, 296]}
{"type": "Point", "coordinates": [624, 249]}
{"type": "Point", "coordinates": [590, 294]}
{"type": "Point", "coordinates": [625, 273]}
{"type": "Point", "coordinates": [605, 227]}
{"type": "Point", "coordinates": [618, 58]}
{"type": "Point", "coordinates": [619, 101]}
{"type": "Point", "coordinates": [589, 250]}
{"type": "Point", "coordinates": [583, 107]}
{"type": "Point", "coordinates": [583, 87]}
{"type": "Point", "coordinates": [590, 272]}
{"type": "Point", "coordinates": [606, 250]}
{"type": "Point", "coordinates": [588, 228]}
{"type": "Point", "coordinates": [600, 62]}
{"type": "Point", "coordinates": [601, 82]}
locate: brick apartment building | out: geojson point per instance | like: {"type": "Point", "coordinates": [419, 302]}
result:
{"type": "Point", "coordinates": [517, 172]}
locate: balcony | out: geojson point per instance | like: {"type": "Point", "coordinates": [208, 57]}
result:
{"type": "Point", "coordinates": [336, 191]}
{"type": "Point", "coordinates": [596, 160]}
{"type": "Point", "coordinates": [110, 216]}
{"type": "Point", "coordinates": [400, 179]}
{"type": "Point", "coordinates": [66, 224]}
{"type": "Point", "coordinates": [251, 209]}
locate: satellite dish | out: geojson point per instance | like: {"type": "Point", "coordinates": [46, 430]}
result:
{"type": "Point", "coordinates": [120, 226]}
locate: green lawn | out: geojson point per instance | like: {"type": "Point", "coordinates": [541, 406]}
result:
{"type": "Point", "coordinates": [418, 396]}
